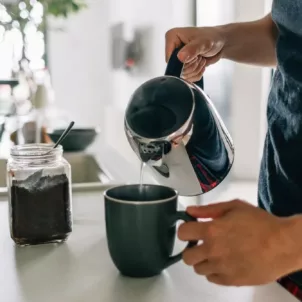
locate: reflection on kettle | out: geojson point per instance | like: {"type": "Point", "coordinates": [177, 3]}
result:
{"type": "Point", "coordinates": [173, 126]}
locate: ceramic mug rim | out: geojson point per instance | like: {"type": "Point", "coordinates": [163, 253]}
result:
{"type": "Point", "coordinates": [146, 203]}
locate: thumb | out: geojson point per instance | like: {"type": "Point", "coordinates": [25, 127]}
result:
{"type": "Point", "coordinates": [212, 211]}
{"type": "Point", "coordinates": [192, 50]}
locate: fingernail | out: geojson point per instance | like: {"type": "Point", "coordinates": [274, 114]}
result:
{"type": "Point", "coordinates": [185, 58]}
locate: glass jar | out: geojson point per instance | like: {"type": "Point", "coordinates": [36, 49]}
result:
{"type": "Point", "coordinates": [39, 186]}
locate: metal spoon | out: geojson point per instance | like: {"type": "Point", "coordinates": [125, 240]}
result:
{"type": "Point", "coordinates": [62, 137]}
{"type": "Point", "coordinates": [34, 178]}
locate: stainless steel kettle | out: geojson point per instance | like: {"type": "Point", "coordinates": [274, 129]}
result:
{"type": "Point", "coordinates": [173, 126]}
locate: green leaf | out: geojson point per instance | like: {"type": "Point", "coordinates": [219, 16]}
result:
{"type": "Point", "coordinates": [57, 8]}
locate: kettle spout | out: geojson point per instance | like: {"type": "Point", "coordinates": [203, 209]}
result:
{"type": "Point", "coordinates": [152, 153]}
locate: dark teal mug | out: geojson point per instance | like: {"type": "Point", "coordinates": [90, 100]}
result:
{"type": "Point", "coordinates": [141, 228]}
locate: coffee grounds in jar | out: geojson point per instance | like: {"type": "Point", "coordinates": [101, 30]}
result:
{"type": "Point", "coordinates": [41, 213]}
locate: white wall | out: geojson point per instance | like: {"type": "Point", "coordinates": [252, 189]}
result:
{"type": "Point", "coordinates": [160, 16]}
{"type": "Point", "coordinates": [218, 77]}
{"type": "Point", "coordinates": [79, 63]}
{"type": "Point", "coordinates": [93, 93]}
{"type": "Point", "coordinates": [242, 89]}
{"type": "Point", "coordinates": [84, 82]}
{"type": "Point", "coordinates": [80, 56]}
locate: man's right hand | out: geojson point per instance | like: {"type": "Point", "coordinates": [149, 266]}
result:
{"type": "Point", "coordinates": [203, 47]}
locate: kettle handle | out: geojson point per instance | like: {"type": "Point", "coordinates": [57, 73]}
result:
{"type": "Point", "coordinates": [175, 66]}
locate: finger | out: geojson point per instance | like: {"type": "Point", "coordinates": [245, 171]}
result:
{"type": "Point", "coordinates": [195, 68]}
{"type": "Point", "coordinates": [190, 65]}
{"type": "Point", "coordinates": [192, 231]}
{"type": "Point", "coordinates": [197, 77]}
{"type": "Point", "coordinates": [197, 73]}
{"type": "Point", "coordinates": [213, 60]}
{"type": "Point", "coordinates": [218, 279]}
{"type": "Point", "coordinates": [194, 255]}
{"type": "Point", "coordinates": [194, 48]}
{"type": "Point", "coordinates": [213, 210]}
{"type": "Point", "coordinates": [172, 41]}
{"type": "Point", "coordinates": [205, 268]}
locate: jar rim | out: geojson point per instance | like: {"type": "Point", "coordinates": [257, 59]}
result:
{"type": "Point", "coordinates": [37, 151]}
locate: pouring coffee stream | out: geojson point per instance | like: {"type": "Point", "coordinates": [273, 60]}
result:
{"type": "Point", "coordinates": [175, 129]}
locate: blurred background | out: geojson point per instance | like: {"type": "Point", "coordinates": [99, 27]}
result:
{"type": "Point", "coordinates": [82, 60]}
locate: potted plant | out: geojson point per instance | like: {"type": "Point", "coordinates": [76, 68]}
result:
{"type": "Point", "coordinates": [27, 15]}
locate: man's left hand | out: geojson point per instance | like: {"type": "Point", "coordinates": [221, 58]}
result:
{"type": "Point", "coordinates": [241, 244]}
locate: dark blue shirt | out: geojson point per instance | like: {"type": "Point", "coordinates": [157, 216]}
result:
{"type": "Point", "coordinates": [280, 182]}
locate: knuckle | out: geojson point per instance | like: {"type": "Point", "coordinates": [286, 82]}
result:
{"type": "Point", "coordinates": [211, 229]}
{"type": "Point", "coordinates": [210, 250]}
{"type": "Point", "coordinates": [231, 280]}
{"type": "Point", "coordinates": [197, 75]}
{"type": "Point", "coordinates": [197, 270]}
{"type": "Point", "coordinates": [168, 33]}
{"type": "Point", "coordinates": [207, 45]}
{"type": "Point", "coordinates": [219, 261]}
{"type": "Point", "coordinates": [196, 68]}
{"type": "Point", "coordinates": [195, 79]}
{"type": "Point", "coordinates": [181, 231]}
{"type": "Point", "coordinates": [186, 258]}
{"type": "Point", "coordinates": [201, 66]}
{"type": "Point", "coordinates": [171, 32]}
{"type": "Point", "coordinates": [220, 280]}
{"type": "Point", "coordinates": [214, 253]}
{"type": "Point", "coordinates": [196, 63]}
{"type": "Point", "coordinates": [211, 278]}
{"type": "Point", "coordinates": [236, 202]}
{"type": "Point", "coordinates": [185, 229]}
{"type": "Point", "coordinates": [202, 268]}
{"type": "Point", "coordinates": [235, 281]}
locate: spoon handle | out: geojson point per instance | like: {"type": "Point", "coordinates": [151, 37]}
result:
{"type": "Point", "coordinates": [64, 134]}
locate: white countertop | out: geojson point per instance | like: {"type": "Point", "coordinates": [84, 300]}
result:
{"type": "Point", "coordinates": [81, 270]}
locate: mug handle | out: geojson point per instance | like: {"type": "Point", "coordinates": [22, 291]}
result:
{"type": "Point", "coordinates": [185, 217]}
{"type": "Point", "coordinates": [174, 67]}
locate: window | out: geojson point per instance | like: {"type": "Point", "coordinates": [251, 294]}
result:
{"type": "Point", "coordinates": [22, 37]}
{"type": "Point", "coordinates": [218, 77]}
{"type": "Point", "coordinates": [238, 91]}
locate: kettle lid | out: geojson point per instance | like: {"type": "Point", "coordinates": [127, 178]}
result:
{"type": "Point", "coordinates": [160, 107]}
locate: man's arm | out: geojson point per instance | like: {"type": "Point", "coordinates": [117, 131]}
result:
{"type": "Point", "coordinates": [246, 42]}
{"type": "Point", "coordinates": [251, 42]}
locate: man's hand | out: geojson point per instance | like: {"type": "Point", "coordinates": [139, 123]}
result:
{"type": "Point", "coordinates": [203, 47]}
{"type": "Point", "coordinates": [242, 244]}
{"type": "Point", "coordinates": [248, 42]}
